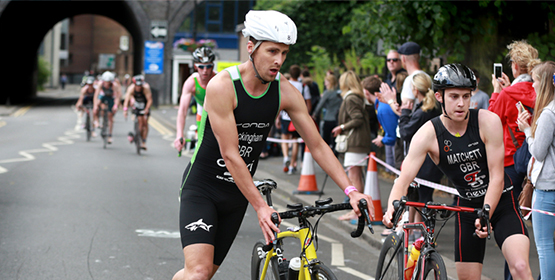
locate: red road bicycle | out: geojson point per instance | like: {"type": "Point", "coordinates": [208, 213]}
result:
{"type": "Point", "coordinates": [394, 255]}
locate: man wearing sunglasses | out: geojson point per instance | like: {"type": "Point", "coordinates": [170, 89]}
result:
{"type": "Point", "coordinates": [395, 67]}
{"type": "Point", "coordinates": [194, 86]}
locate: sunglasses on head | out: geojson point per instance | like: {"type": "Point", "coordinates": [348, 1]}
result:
{"type": "Point", "coordinates": [392, 59]}
{"type": "Point", "coordinates": [203, 66]}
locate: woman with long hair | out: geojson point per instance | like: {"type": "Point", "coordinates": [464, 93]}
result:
{"type": "Point", "coordinates": [540, 136]}
{"type": "Point", "coordinates": [354, 121]}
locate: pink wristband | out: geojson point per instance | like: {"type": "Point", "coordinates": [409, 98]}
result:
{"type": "Point", "coordinates": [349, 189]}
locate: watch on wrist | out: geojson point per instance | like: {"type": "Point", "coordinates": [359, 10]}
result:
{"type": "Point", "coordinates": [342, 127]}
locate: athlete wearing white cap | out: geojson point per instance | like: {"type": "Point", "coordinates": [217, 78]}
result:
{"type": "Point", "coordinates": [241, 105]}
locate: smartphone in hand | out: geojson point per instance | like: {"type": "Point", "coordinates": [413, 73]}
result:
{"type": "Point", "coordinates": [497, 69]}
{"type": "Point", "coordinates": [520, 107]}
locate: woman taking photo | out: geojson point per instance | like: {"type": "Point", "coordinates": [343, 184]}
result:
{"type": "Point", "coordinates": [541, 142]}
{"type": "Point", "coordinates": [355, 122]}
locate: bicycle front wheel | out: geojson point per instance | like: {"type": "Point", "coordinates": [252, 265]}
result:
{"type": "Point", "coordinates": [88, 125]}
{"type": "Point", "coordinates": [322, 272]}
{"type": "Point", "coordinates": [138, 140]}
{"type": "Point", "coordinates": [258, 259]}
{"type": "Point", "coordinates": [434, 268]}
{"type": "Point", "coordinates": [390, 262]}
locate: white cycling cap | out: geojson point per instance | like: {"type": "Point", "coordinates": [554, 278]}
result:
{"type": "Point", "coordinates": [270, 26]}
{"type": "Point", "coordinates": [108, 76]}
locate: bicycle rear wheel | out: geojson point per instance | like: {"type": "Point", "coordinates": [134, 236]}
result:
{"type": "Point", "coordinates": [322, 272]}
{"type": "Point", "coordinates": [434, 267]}
{"type": "Point", "coordinates": [389, 256]}
{"type": "Point", "coordinates": [258, 259]}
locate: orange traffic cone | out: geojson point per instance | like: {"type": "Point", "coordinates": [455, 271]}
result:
{"type": "Point", "coordinates": [307, 183]}
{"type": "Point", "coordinates": [372, 188]}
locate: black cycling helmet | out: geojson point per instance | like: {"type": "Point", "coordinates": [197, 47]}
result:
{"type": "Point", "coordinates": [139, 80]}
{"type": "Point", "coordinates": [203, 55]}
{"type": "Point", "coordinates": [454, 75]}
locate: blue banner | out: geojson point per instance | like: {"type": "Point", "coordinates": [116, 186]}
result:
{"type": "Point", "coordinates": [154, 57]}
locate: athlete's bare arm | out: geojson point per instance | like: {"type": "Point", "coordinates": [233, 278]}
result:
{"type": "Point", "coordinates": [293, 103]}
{"type": "Point", "coordinates": [219, 103]}
{"type": "Point", "coordinates": [148, 95]}
{"type": "Point", "coordinates": [491, 132]}
{"type": "Point", "coordinates": [81, 96]}
{"type": "Point", "coordinates": [423, 143]}
{"type": "Point", "coordinates": [128, 94]}
{"type": "Point", "coordinates": [187, 93]}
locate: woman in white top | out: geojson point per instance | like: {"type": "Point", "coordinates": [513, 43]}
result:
{"type": "Point", "coordinates": [541, 142]}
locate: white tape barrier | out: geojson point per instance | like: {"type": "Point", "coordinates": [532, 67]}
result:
{"type": "Point", "coordinates": [535, 210]}
{"type": "Point", "coordinates": [418, 180]}
{"type": "Point", "coordinates": [275, 140]}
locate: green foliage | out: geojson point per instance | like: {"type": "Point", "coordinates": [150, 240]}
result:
{"type": "Point", "coordinates": [545, 44]}
{"type": "Point", "coordinates": [43, 73]}
{"type": "Point", "coordinates": [319, 23]}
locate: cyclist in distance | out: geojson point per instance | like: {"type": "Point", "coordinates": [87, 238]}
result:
{"type": "Point", "coordinates": [467, 145]}
{"type": "Point", "coordinates": [241, 105]}
{"type": "Point", "coordinates": [108, 95]}
{"type": "Point", "coordinates": [194, 86]}
{"type": "Point", "coordinates": [139, 96]}
{"type": "Point", "coordinates": [86, 94]}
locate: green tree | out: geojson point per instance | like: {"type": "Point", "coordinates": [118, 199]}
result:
{"type": "Point", "coordinates": [43, 73]}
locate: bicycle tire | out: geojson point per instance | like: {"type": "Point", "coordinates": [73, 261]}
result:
{"type": "Point", "coordinates": [387, 254]}
{"type": "Point", "coordinates": [105, 128]}
{"type": "Point", "coordinates": [138, 140]}
{"type": "Point", "coordinates": [258, 258]}
{"type": "Point", "coordinates": [88, 125]}
{"type": "Point", "coordinates": [322, 272]}
{"type": "Point", "coordinates": [433, 263]}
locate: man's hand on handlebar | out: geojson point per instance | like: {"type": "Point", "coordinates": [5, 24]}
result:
{"type": "Point", "coordinates": [355, 198]}
{"type": "Point", "coordinates": [265, 221]}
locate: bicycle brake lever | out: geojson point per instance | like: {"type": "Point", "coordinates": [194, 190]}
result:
{"type": "Point", "coordinates": [363, 207]}
{"type": "Point", "coordinates": [275, 220]}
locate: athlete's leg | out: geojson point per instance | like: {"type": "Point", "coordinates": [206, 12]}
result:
{"type": "Point", "coordinates": [516, 250]}
{"type": "Point", "coordinates": [198, 263]}
{"type": "Point", "coordinates": [469, 270]}
{"type": "Point", "coordinates": [110, 125]}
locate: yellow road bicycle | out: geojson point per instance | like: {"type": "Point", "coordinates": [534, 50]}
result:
{"type": "Point", "coordinates": [268, 261]}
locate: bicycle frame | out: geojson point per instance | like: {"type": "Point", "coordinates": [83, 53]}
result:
{"type": "Point", "coordinates": [427, 227]}
{"type": "Point", "coordinates": [308, 258]}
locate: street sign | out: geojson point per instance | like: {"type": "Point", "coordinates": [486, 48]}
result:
{"type": "Point", "coordinates": [159, 29]}
{"type": "Point", "coordinates": [124, 43]}
{"type": "Point", "coordinates": [154, 57]}
{"type": "Point", "coordinates": [106, 61]}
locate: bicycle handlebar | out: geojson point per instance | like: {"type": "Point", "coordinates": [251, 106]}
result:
{"type": "Point", "coordinates": [311, 211]}
{"type": "Point", "coordinates": [181, 141]}
{"type": "Point", "coordinates": [483, 213]}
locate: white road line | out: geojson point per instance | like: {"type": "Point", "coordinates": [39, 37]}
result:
{"type": "Point", "coordinates": [26, 155]}
{"type": "Point", "coordinates": [337, 258]}
{"type": "Point", "coordinates": [356, 273]}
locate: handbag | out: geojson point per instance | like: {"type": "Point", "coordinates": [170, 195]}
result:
{"type": "Point", "coordinates": [341, 142]}
{"type": "Point", "coordinates": [525, 197]}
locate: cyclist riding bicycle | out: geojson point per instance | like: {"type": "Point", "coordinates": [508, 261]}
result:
{"type": "Point", "coordinates": [107, 96]}
{"type": "Point", "coordinates": [240, 107]}
{"type": "Point", "coordinates": [194, 86]}
{"type": "Point", "coordinates": [139, 96]}
{"type": "Point", "coordinates": [467, 145]}
{"type": "Point", "coordinates": [86, 96]}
